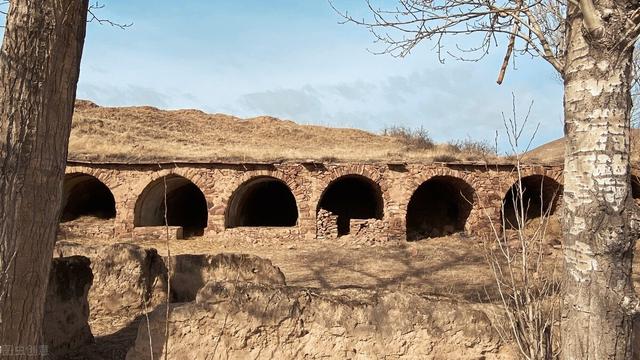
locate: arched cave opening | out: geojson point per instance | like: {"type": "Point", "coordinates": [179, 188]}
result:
{"type": "Point", "coordinates": [540, 196]}
{"type": "Point", "coordinates": [84, 195]}
{"type": "Point", "coordinates": [263, 201]}
{"type": "Point", "coordinates": [186, 205]}
{"type": "Point", "coordinates": [352, 197]}
{"type": "Point", "coordinates": [440, 206]}
{"type": "Point", "coordinates": [635, 187]}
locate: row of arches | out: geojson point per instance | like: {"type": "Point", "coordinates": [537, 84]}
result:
{"type": "Point", "coordinates": [261, 201]}
{"type": "Point", "coordinates": [439, 206]}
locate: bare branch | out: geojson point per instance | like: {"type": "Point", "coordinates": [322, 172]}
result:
{"type": "Point", "coordinates": [507, 56]}
{"type": "Point", "coordinates": [528, 26]}
{"type": "Point", "coordinates": [92, 17]}
{"type": "Point", "coordinates": [592, 21]}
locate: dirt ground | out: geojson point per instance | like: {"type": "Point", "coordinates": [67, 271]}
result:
{"type": "Point", "coordinates": [453, 266]}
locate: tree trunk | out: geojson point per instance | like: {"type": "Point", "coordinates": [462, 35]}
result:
{"type": "Point", "coordinates": [39, 68]}
{"type": "Point", "coordinates": [599, 232]}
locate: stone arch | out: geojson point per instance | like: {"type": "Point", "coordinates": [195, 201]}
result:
{"type": "Point", "coordinates": [422, 174]}
{"type": "Point", "coordinates": [440, 206]}
{"type": "Point", "coordinates": [506, 183]}
{"type": "Point", "coordinates": [349, 197]}
{"type": "Point", "coordinates": [540, 195]}
{"type": "Point", "coordinates": [262, 201]}
{"type": "Point", "coordinates": [85, 195]}
{"type": "Point", "coordinates": [185, 205]}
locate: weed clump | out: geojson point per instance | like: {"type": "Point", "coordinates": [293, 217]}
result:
{"type": "Point", "coordinates": [414, 139]}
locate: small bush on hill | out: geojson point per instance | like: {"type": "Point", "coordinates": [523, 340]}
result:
{"type": "Point", "coordinates": [417, 139]}
{"type": "Point", "coordinates": [469, 145]}
{"type": "Point", "coordinates": [445, 158]}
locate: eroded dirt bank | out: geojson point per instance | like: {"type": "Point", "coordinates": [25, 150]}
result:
{"type": "Point", "coordinates": [338, 301]}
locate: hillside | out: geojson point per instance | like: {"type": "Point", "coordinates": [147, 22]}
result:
{"type": "Point", "coordinates": [553, 152]}
{"type": "Point", "coordinates": [146, 134]}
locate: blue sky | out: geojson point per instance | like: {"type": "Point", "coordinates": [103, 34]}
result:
{"type": "Point", "coordinates": [293, 60]}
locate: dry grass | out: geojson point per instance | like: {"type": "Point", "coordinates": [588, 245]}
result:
{"type": "Point", "coordinates": [553, 152]}
{"type": "Point", "coordinates": [148, 134]}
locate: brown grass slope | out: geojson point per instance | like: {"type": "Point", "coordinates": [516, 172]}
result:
{"type": "Point", "coordinates": [146, 134]}
{"type": "Point", "coordinates": [553, 152]}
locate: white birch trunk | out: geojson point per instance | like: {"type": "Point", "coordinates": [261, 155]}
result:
{"type": "Point", "coordinates": [599, 232]}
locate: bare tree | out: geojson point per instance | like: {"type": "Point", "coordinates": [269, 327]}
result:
{"type": "Point", "coordinates": [39, 68]}
{"type": "Point", "coordinates": [517, 252]}
{"type": "Point", "coordinates": [590, 44]}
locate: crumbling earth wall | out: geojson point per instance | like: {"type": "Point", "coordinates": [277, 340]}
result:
{"type": "Point", "coordinates": [248, 321]}
{"type": "Point", "coordinates": [127, 281]}
{"type": "Point", "coordinates": [66, 313]}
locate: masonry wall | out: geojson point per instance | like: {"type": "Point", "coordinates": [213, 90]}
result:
{"type": "Point", "coordinates": [307, 182]}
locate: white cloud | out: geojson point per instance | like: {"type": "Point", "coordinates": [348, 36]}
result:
{"type": "Point", "coordinates": [450, 104]}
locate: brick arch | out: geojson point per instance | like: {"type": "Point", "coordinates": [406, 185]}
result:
{"type": "Point", "coordinates": [96, 173]}
{"type": "Point", "coordinates": [182, 204]}
{"type": "Point", "coordinates": [366, 178]}
{"type": "Point", "coordinates": [508, 181]}
{"type": "Point", "coordinates": [234, 203]}
{"type": "Point", "coordinates": [297, 188]}
{"type": "Point", "coordinates": [354, 169]}
{"type": "Point", "coordinates": [361, 207]}
{"type": "Point", "coordinates": [418, 179]}
{"type": "Point", "coordinates": [541, 194]}
{"type": "Point", "coordinates": [91, 181]}
{"type": "Point", "coordinates": [465, 214]}
{"type": "Point", "coordinates": [350, 170]}
{"type": "Point", "coordinates": [149, 178]}
{"type": "Point", "coordinates": [139, 186]}
{"type": "Point", "coordinates": [120, 187]}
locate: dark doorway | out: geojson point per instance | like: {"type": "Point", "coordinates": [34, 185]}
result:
{"type": "Point", "coordinates": [186, 205]}
{"type": "Point", "coordinates": [539, 197]}
{"type": "Point", "coordinates": [352, 197]}
{"type": "Point", "coordinates": [263, 201]}
{"type": "Point", "coordinates": [635, 187]}
{"type": "Point", "coordinates": [440, 206]}
{"type": "Point", "coordinates": [84, 195]}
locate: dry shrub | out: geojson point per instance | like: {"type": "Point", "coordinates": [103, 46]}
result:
{"type": "Point", "coordinates": [471, 146]}
{"type": "Point", "coordinates": [445, 158]}
{"type": "Point", "coordinates": [527, 287]}
{"type": "Point", "coordinates": [415, 139]}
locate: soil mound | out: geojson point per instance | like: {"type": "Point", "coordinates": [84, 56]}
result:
{"type": "Point", "coordinates": [191, 272]}
{"type": "Point", "coordinates": [553, 152]}
{"type": "Point", "coordinates": [146, 134]}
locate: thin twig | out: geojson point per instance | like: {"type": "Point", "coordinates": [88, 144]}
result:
{"type": "Point", "coordinates": [92, 17]}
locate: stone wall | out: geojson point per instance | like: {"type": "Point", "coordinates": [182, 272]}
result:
{"type": "Point", "coordinates": [71, 230]}
{"type": "Point", "coordinates": [326, 225]}
{"type": "Point", "coordinates": [263, 234]}
{"type": "Point", "coordinates": [158, 233]}
{"type": "Point", "coordinates": [308, 182]}
{"type": "Point", "coordinates": [368, 231]}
